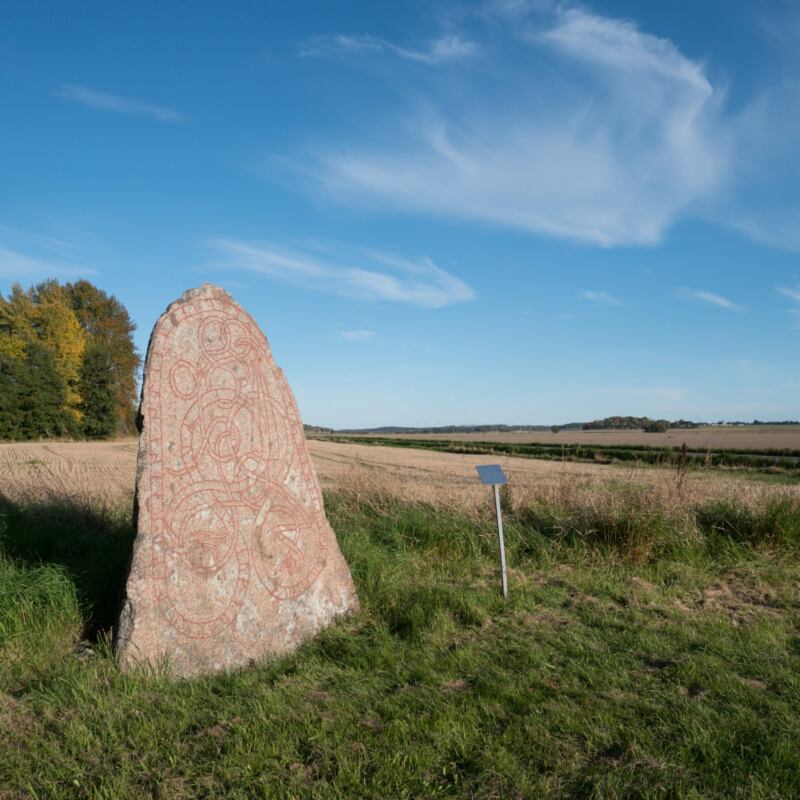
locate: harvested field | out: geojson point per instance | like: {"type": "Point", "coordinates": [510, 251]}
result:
{"type": "Point", "coordinates": [449, 479]}
{"type": "Point", "coordinates": [733, 437]}
{"type": "Point", "coordinates": [106, 470]}
{"type": "Point", "coordinates": [101, 470]}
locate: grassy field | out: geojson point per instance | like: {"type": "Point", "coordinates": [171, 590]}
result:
{"type": "Point", "coordinates": [650, 647]}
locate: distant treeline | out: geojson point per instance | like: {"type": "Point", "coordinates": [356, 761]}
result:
{"type": "Point", "coordinates": [759, 422]}
{"type": "Point", "coordinates": [637, 423]}
{"type": "Point", "coordinates": [68, 363]}
{"type": "Point", "coordinates": [608, 423]}
{"type": "Point", "coordinates": [448, 429]}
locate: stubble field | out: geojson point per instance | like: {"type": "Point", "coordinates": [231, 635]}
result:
{"type": "Point", "coordinates": [105, 471]}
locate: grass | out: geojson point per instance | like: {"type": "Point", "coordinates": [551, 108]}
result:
{"type": "Point", "coordinates": [642, 653]}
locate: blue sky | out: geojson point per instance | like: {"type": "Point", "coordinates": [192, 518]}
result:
{"type": "Point", "coordinates": [514, 211]}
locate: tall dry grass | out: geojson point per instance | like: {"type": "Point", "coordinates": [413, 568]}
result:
{"type": "Point", "coordinates": [638, 510]}
{"type": "Point", "coordinates": [641, 513]}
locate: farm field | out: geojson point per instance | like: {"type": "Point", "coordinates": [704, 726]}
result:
{"type": "Point", "coordinates": [759, 437]}
{"type": "Point", "coordinates": [765, 459]}
{"type": "Point", "coordinates": [106, 471]}
{"type": "Point", "coordinates": [649, 646]}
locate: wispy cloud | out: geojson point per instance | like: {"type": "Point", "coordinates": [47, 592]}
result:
{"type": "Point", "coordinates": [16, 265]}
{"type": "Point", "coordinates": [451, 47]}
{"type": "Point", "coordinates": [357, 336]}
{"type": "Point", "coordinates": [121, 105]}
{"type": "Point", "coordinates": [602, 298]}
{"type": "Point", "coordinates": [794, 295]}
{"type": "Point", "coordinates": [610, 151]}
{"type": "Point", "coordinates": [40, 241]}
{"type": "Point", "coordinates": [620, 45]}
{"type": "Point", "coordinates": [366, 275]}
{"type": "Point", "coordinates": [514, 9]}
{"type": "Point", "coordinates": [36, 255]}
{"type": "Point", "coordinates": [770, 226]}
{"type": "Point", "coordinates": [711, 298]}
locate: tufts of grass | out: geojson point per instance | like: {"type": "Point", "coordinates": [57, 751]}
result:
{"type": "Point", "coordinates": [622, 520]}
{"type": "Point", "coordinates": [40, 623]}
{"type": "Point", "coordinates": [635, 533]}
{"type": "Point", "coordinates": [91, 542]}
{"type": "Point", "coordinates": [620, 666]}
{"type": "Point", "coordinates": [776, 523]}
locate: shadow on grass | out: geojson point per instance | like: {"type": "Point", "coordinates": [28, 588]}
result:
{"type": "Point", "coordinates": [92, 543]}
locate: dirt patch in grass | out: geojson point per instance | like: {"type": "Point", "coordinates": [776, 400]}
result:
{"type": "Point", "coordinates": [740, 595]}
{"type": "Point", "coordinates": [456, 685]}
{"type": "Point", "coordinates": [546, 617]}
{"type": "Point", "coordinates": [16, 720]}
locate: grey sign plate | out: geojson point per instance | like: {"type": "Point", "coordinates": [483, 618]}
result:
{"type": "Point", "coordinates": [491, 474]}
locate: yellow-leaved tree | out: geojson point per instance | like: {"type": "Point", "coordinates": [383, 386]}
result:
{"type": "Point", "coordinates": [68, 362]}
{"type": "Point", "coordinates": [16, 323]}
{"type": "Point", "coordinates": [57, 329]}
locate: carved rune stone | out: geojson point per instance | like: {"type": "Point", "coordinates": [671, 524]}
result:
{"type": "Point", "coordinates": [233, 559]}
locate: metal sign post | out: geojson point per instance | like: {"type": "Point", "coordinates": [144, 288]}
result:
{"type": "Point", "coordinates": [493, 475]}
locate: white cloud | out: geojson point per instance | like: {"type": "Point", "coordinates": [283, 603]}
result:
{"type": "Point", "coordinates": [515, 9]}
{"type": "Point", "coordinates": [357, 336]}
{"type": "Point", "coordinates": [711, 299]}
{"type": "Point", "coordinates": [16, 265]}
{"type": "Point", "coordinates": [601, 133]}
{"type": "Point", "coordinates": [41, 241]}
{"type": "Point", "coordinates": [370, 275]}
{"type": "Point", "coordinates": [793, 294]}
{"type": "Point", "coordinates": [450, 47]}
{"type": "Point", "coordinates": [601, 298]}
{"type": "Point", "coordinates": [771, 227]}
{"type": "Point", "coordinates": [120, 105]}
{"type": "Point", "coordinates": [619, 44]}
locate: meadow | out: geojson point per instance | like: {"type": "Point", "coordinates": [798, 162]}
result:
{"type": "Point", "coordinates": [650, 645]}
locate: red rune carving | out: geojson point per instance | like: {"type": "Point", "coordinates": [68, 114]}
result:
{"type": "Point", "coordinates": [235, 506]}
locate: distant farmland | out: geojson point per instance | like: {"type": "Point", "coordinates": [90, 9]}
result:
{"type": "Point", "coordinates": [760, 438]}
{"type": "Point", "coordinates": [771, 448]}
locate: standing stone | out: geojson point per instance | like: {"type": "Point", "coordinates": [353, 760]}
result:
{"type": "Point", "coordinates": [234, 559]}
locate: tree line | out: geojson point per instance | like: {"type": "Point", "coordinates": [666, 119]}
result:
{"type": "Point", "coordinates": [637, 423]}
{"type": "Point", "coordinates": [68, 364]}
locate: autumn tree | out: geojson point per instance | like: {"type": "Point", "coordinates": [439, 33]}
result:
{"type": "Point", "coordinates": [16, 323]}
{"type": "Point", "coordinates": [107, 324]}
{"type": "Point", "coordinates": [72, 344]}
{"type": "Point", "coordinates": [59, 332]}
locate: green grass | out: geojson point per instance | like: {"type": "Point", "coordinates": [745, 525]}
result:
{"type": "Point", "coordinates": [631, 660]}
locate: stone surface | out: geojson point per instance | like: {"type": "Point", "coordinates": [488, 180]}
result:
{"type": "Point", "coordinates": [234, 559]}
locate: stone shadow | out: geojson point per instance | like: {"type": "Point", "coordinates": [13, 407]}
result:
{"type": "Point", "coordinates": [91, 542]}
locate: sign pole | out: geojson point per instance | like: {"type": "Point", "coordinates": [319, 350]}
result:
{"type": "Point", "coordinates": [493, 475]}
{"type": "Point", "coordinates": [500, 536]}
